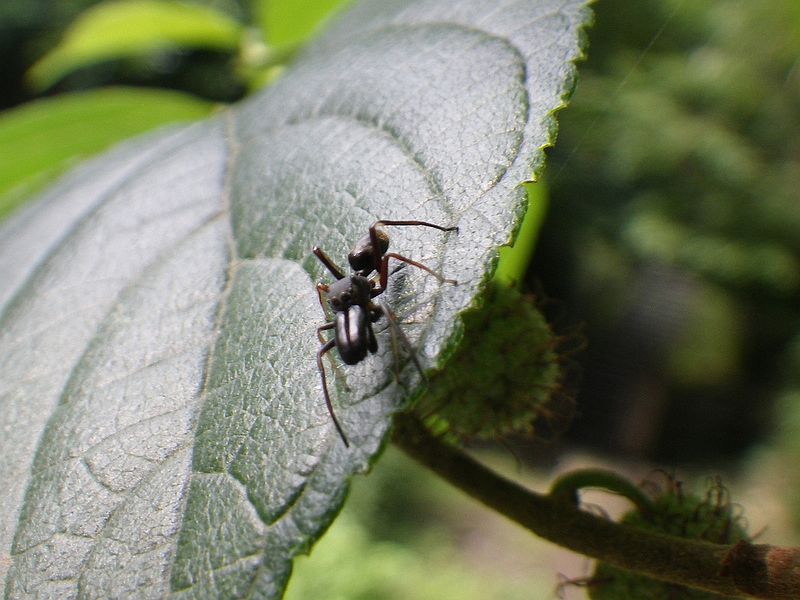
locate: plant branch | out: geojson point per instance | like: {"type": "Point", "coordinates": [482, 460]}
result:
{"type": "Point", "coordinates": [756, 570]}
{"type": "Point", "coordinates": [568, 485]}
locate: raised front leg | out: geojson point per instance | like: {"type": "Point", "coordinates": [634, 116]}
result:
{"type": "Point", "coordinates": [329, 264]}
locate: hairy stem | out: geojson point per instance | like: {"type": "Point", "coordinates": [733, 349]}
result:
{"type": "Point", "coordinates": [559, 519]}
{"type": "Point", "coordinates": [568, 485]}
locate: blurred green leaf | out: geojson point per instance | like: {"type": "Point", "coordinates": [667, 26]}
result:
{"type": "Point", "coordinates": [284, 26]}
{"type": "Point", "coordinates": [288, 22]}
{"type": "Point", "coordinates": [43, 138]}
{"type": "Point", "coordinates": [130, 28]}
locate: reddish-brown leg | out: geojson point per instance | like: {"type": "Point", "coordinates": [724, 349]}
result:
{"type": "Point", "coordinates": [329, 264]}
{"type": "Point", "coordinates": [322, 328]}
{"type": "Point", "coordinates": [383, 271]}
{"type": "Point", "coordinates": [373, 233]}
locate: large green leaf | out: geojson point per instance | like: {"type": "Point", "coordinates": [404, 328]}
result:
{"type": "Point", "coordinates": [163, 424]}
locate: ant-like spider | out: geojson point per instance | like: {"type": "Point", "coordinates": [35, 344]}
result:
{"type": "Point", "coordinates": [350, 297]}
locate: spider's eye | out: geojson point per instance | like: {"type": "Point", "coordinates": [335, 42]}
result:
{"type": "Point", "coordinates": [345, 297]}
{"type": "Point", "coordinates": [335, 302]}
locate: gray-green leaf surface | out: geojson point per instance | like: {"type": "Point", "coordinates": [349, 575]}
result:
{"type": "Point", "coordinates": [163, 427]}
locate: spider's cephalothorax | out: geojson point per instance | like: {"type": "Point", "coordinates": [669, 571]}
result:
{"type": "Point", "coordinates": [351, 299]}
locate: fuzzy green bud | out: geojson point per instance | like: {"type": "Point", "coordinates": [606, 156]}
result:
{"type": "Point", "coordinates": [710, 518]}
{"type": "Point", "coordinates": [502, 376]}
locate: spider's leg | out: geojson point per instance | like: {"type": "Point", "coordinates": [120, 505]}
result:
{"type": "Point", "coordinates": [383, 272]}
{"type": "Point", "coordinates": [398, 334]}
{"type": "Point", "coordinates": [329, 264]}
{"type": "Point", "coordinates": [322, 328]}
{"type": "Point", "coordinates": [321, 367]}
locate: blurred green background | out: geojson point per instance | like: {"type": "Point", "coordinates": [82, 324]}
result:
{"type": "Point", "coordinates": [675, 232]}
{"type": "Point", "coordinates": [672, 242]}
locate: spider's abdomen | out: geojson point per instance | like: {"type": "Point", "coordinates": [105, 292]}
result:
{"type": "Point", "coordinates": [351, 334]}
